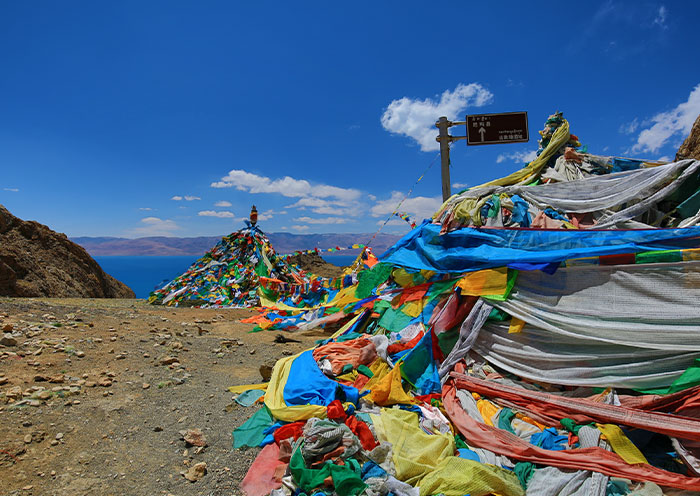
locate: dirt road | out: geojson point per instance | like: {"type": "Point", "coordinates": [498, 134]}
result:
{"type": "Point", "coordinates": [95, 395]}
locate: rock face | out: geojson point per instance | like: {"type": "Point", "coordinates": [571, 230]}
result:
{"type": "Point", "coordinates": [36, 261]}
{"type": "Point", "coordinates": [691, 146]}
{"type": "Point", "coordinates": [314, 263]}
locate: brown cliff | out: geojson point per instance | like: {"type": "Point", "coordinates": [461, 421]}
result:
{"type": "Point", "coordinates": [691, 146]}
{"type": "Point", "coordinates": [36, 261]}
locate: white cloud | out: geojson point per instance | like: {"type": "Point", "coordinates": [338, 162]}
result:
{"type": "Point", "coordinates": [222, 203]}
{"type": "Point", "coordinates": [154, 226]}
{"type": "Point", "coordinates": [630, 127]}
{"type": "Point", "coordinates": [14, 190]}
{"type": "Point", "coordinates": [269, 214]}
{"type": "Point", "coordinates": [299, 228]}
{"type": "Point", "coordinates": [416, 118]}
{"type": "Point", "coordinates": [418, 208]}
{"type": "Point", "coordinates": [223, 214]}
{"type": "Point", "coordinates": [186, 198]}
{"type": "Point", "coordinates": [677, 121]}
{"type": "Point", "coordinates": [146, 209]}
{"type": "Point", "coordinates": [459, 185]}
{"type": "Point", "coordinates": [325, 220]}
{"type": "Point", "coordinates": [286, 186]}
{"type": "Point", "coordinates": [519, 157]}
{"type": "Point", "coordinates": [328, 207]}
{"type": "Point", "coordinates": [660, 19]}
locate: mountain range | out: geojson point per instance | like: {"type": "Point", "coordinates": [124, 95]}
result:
{"type": "Point", "coordinates": [172, 246]}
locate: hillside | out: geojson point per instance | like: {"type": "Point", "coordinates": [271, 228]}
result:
{"type": "Point", "coordinates": [36, 261]}
{"type": "Point", "coordinates": [691, 146]}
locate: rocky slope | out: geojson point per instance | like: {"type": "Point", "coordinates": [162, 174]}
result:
{"type": "Point", "coordinates": [691, 146]}
{"type": "Point", "coordinates": [36, 261]}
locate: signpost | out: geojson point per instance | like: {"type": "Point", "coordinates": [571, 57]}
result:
{"type": "Point", "coordinates": [496, 129]}
{"type": "Point", "coordinates": [482, 129]}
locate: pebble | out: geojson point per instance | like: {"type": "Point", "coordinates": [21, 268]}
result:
{"type": "Point", "coordinates": [7, 327]}
{"type": "Point", "coordinates": [195, 437]}
{"type": "Point", "coordinates": [28, 439]}
{"type": "Point", "coordinates": [196, 472]}
{"type": "Point", "coordinates": [145, 385]}
{"type": "Point", "coordinates": [8, 340]}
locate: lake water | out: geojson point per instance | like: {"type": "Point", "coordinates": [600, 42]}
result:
{"type": "Point", "coordinates": [143, 274]}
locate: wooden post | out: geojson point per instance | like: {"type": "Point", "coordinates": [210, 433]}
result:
{"type": "Point", "coordinates": [444, 138]}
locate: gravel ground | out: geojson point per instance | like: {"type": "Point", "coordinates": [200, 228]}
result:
{"type": "Point", "coordinates": [95, 395]}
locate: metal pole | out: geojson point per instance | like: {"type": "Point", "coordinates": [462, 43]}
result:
{"type": "Point", "coordinates": [444, 138]}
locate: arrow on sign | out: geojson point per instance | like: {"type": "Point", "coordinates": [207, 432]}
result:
{"type": "Point", "coordinates": [481, 132]}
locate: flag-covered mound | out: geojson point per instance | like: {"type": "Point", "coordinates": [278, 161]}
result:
{"type": "Point", "coordinates": [240, 270]}
{"type": "Point", "coordinates": [540, 336]}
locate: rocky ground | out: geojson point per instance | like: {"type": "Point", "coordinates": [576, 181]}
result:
{"type": "Point", "coordinates": [97, 394]}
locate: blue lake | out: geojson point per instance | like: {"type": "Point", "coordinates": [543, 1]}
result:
{"type": "Point", "coordinates": [143, 274]}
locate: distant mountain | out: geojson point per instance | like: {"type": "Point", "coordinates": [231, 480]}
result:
{"type": "Point", "coordinates": [282, 242]}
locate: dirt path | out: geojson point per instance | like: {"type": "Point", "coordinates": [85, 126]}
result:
{"type": "Point", "coordinates": [94, 394]}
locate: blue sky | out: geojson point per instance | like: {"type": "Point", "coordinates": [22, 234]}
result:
{"type": "Point", "coordinates": [172, 118]}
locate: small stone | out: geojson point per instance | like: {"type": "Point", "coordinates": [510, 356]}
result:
{"type": "Point", "coordinates": [27, 423]}
{"type": "Point", "coordinates": [76, 402]}
{"type": "Point", "coordinates": [146, 355]}
{"type": "Point", "coordinates": [195, 437]}
{"type": "Point", "coordinates": [90, 384]}
{"type": "Point", "coordinates": [168, 360]}
{"type": "Point", "coordinates": [14, 392]}
{"type": "Point", "coordinates": [54, 442]}
{"type": "Point", "coordinates": [80, 354]}
{"type": "Point", "coordinates": [266, 372]}
{"type": "Point", "coordinates": [28, 439]}
{"type": "Point", "coordinates": [59, 436]}
{"type": "Point", "coordinates": [8, 327]}
{"type": "Point", "coordinates": [8, 340]}
{"type": "Point", "coordinates": [3, 380]}
{"type": "Point", "coordinates": [157, 429]}
{"type": "Point", "coordinates": [52, 473]}
{"type": "Point", "coordinates": [252, 352]}
{"type": "Point", "coordinates": [44, 395]}
{"type": "Point", "coordinates": [145, 385]}
{"type": "Point", "coordinates": [27, 488]}
{"type": "Point", "coordinates": [196, 472]}
{"type": "Point", "coordinates": [104, 382]}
